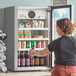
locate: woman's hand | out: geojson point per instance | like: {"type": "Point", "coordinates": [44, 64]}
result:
{"type": "Point", "coordinates": [39, 53]}
{"type": "Point", "coordinates": [31, 52]}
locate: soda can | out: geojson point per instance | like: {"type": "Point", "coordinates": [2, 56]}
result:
{"type": "Point", "coordinates": [43, 44]}
{"type": "Point", "coordinates": [33, 43]}
{"type": "Point", "coordinates": [23, 44]}
{"type": "Point", "coordinates": [20, 34]}
{"type": "Point", "coordinates": [38, 44]}
{"type": "Point", "coordinates": [28, 44]}
{"type": "Point", "coordinates": [19, 44]}
{"type": "Point", "coordinates": [27, 34]}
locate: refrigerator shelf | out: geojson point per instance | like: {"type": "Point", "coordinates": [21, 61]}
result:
{"type": "Point", "coordinates": [33, 68]}
{"type": "Point", "coordinates": [46, 29]}
{"type": "Point", "coordinates": [27, 49]}
{"type": "Point", "coordinates": [27, 39]}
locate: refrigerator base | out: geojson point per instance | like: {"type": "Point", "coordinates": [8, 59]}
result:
{"type": "Point", "coordinates": [42, 68]}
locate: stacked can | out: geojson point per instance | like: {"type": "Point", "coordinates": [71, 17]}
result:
{"type": "Point", "coordinates": [43, 44]}
{"type": "Point", "coordinates": [28, 44]}
{"type": "Point", "coordinates": [19, 44]}
{"type": "Point", "coordinates": [23, 44]}
{"type": "Point", "coordinates": [33, 43]}
{"type": "Point", "coordinates": [38, 44]}
{"type": "Point", "coordinates": [20, 34]}
{"type": "Point", "coordinates": [27, 34]}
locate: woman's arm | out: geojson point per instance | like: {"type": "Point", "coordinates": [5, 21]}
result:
{"type": "Point", "coordinates": [40, 53]}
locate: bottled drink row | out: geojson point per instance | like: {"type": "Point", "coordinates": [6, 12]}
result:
{"type": "Point", "coordinates": [29, 44]}
{"type": "Point", "coordinates": [31, 24]}
{"type": "Point", "coordinates": [24, 59]}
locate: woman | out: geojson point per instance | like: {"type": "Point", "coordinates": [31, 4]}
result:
{"type": "Point", "coordinates": [64, 49]}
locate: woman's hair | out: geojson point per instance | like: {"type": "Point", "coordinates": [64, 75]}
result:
{"type": "Point", "coordinates": [65, 25]}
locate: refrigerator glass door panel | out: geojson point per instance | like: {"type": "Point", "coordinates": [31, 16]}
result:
{"type": "Point", "coordinates": [56, 14]}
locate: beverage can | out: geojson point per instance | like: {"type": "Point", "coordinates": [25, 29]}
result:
{"type": "Point", "coordinates": [33, 43]}
{"type": "Point", "coordinates": [20, 34]}
{"type": "Point", "coordinates": [23, 44]}
{"type": "Point", "coordinates": [38, 44]}
{"type": "Point", "coordinates": [43, 44]}
{"type": "Point", "coordinates": [19, 44]}
{"type": "Point", "coordinates": [27, 34]}
{"type": "Point", "coordinates": [28, 44]}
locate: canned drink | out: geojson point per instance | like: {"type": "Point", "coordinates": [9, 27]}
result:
{"type": "Point", "coordinates": [33, 43]}
{"type": "Point", "coordinates": [20, 34]}
{"type": "Point", "coordinates": [23, 44]}
{"type": "Point", "coordinates": [27, 34]}
{"type": "Point", "coordinates": [28, 44]}
{"type": "Point", "coordinates": [19, 44]}
{"type": "Point", "coordinates": [38, 44]}
{"type": "Point", "coordinates": [43, 44]}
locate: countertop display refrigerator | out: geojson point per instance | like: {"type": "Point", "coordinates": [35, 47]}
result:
{"type": "Point", "coordinates": [58, 12]}
{"type": "Point", "coordinates": [24, 27]}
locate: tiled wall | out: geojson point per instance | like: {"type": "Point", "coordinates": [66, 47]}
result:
{"type": "Point", "coordinates": [8, 3]}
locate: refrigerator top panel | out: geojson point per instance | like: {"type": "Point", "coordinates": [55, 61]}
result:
{"type": "Point", "coordinates": [32, 12]}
